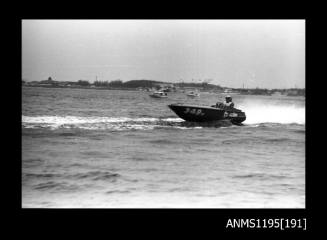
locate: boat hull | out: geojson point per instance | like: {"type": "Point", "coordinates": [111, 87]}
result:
{"type": "Point", "coordinates": [193, 113]}
{"type": "Point", "coordinates": [157, 96]}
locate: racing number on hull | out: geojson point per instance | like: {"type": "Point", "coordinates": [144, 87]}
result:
{"type": "Point", "coordinates": [226, 114]}
{"type": "Point", "coordinates": [194, 111]}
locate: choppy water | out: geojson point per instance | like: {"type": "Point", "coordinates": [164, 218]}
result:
{"type": "Point", "coordinates": [105, 148]}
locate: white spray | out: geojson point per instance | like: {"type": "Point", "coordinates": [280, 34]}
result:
{"type": "Point", "coordinates": [272, 112]}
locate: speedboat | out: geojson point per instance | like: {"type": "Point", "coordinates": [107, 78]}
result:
{"type": "Point", "coordinates": [196, 113]}
{"type": "Point", "coordinates": [193, 94]}
{"type": "Point", "coordinates": [158, 94]}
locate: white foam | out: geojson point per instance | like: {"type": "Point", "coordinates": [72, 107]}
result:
{"type": "Point", "coordinates": [71, 119]}
{"type": "Point", "coordinates": [172, 120]}
{"type": "Point", "coordinates": [273, 113]}
{"type": "Point", "coordinates": [81, 120]}
{"type": "Point", "coordinates": [114, 123]}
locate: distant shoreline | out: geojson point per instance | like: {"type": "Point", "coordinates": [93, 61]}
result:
{"type": "Point", "coordinates": [152, 85]}
{"type": "Point", "coordinates": [178, 91]}
{"type": "Point", "coordinates": [80, 87]}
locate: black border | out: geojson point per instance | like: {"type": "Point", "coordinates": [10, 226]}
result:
{"type": "Point", "coordinates": [208, 219]}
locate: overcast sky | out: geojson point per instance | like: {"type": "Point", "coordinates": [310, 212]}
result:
{"type": "Point", "coordinates": [256, 53]}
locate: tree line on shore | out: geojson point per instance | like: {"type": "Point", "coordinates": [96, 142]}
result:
{"type": "Point", "coordinates": [152, 84]}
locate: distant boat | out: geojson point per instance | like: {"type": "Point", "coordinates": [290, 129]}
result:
{"type": "Point", "coordinates": [227, 91]}
{"type": "Point", "coordinates": [276, 94]}
{"type": "Point", "coordinates": [159, 94]}
{"type": "Point", "coordinates": [193, 94]}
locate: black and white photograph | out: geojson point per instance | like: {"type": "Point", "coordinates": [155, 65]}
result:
{"type": "Point", "coordinates": [163, 113]}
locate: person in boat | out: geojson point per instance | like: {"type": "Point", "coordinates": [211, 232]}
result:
{"type": "Point", "coordinates": [228, 102]}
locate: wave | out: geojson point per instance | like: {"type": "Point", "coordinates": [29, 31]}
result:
{"type": "Point", "coordinates": [260, 176]}
{"type": "Point", "coordinates": [58, 179]}
{"type": "Point", "coordinates": [60, 186]}
{"type": "Point", "coordinates": [100, 123]}
{"type": "Point", "coordinates": [97, 175]}
{"type": "Point", "coordinates": [113, 123]}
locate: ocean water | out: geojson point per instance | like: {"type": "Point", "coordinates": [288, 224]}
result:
{"type": "Point", "coordinates": [122, 149]}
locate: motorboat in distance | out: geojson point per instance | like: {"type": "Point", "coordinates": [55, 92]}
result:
{"type": "Point", "coordinates": [193, 94]}
{"type": "Point", "coordinates": [158, 94]}
{"type": "Point", "coordinates": [195, 113]}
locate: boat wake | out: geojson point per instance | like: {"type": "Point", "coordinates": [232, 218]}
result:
{"type": "Point", "coordinates": [100, 123]}
{"type": "Point", "coordinates": [257, 115]}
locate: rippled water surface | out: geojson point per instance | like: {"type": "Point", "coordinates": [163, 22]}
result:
{"type": "Point", "coordinates": [110, 148]}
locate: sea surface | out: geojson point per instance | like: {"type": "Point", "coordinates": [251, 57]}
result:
{"type": "Point", "coordinates": [122, 149]}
